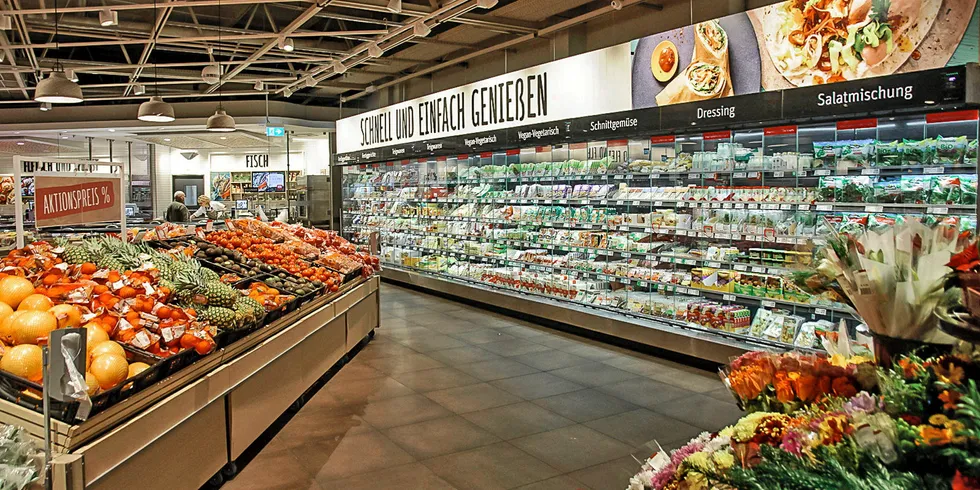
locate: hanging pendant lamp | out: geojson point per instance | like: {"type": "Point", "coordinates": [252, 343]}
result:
{"type": "Point", "coordinates": [221, 122]}
{"type": "Point", "coordinates": [58, 89]}
{"type": "Point", "coordinates": [156, 110]}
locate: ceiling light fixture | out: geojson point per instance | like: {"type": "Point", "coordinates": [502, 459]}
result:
{"type": "Point", "coordinates": [616, 5]}
{"type": "Point", "coordinates": [156, 110]}
{"type": "Point", "coordinates": [111, 130]}
{"type": "Point", "coordinates": [421, 29]}
{"type": "Point", "coordinates": [58, 89]}
{"type": "Point", "coordinates": [211, 74]}
{"type": "Point", "coordinates": [286, 44]}
{"type": "Point", "coordinates": [394, 6]}
{"type": "Point", "coordinates": [288, 92]}
{"type": "Point", "coordinates": [108, 17]}
{"type": "Point", "coordinates": [167, 140]}
{"type": "Point", "coordinates": [338, 67]}
{"type": "Point", "coordinates": [486, 4]}
{"type": "Point", "coordinates": [259, 85]}
{"type": "Point", "coordinates": [20, 143]}
{"type": "Point", "coordinates": [71, 75]}
{"type": "Point", "coordinates": [375, 51]}
{"type": "Point", "coordinates": [6, 22]}
{"type": "Point", "coordinates": [220, 121]}
{"type": "Point", "coordinates": [310, 81]}
{"type": "Point", "coordinates": [45, 106]}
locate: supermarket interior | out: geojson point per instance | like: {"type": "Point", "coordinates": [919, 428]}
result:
{"type": "Point", "coordinates": [490, 244]}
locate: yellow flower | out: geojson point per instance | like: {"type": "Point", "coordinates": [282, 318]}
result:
{"type": "Point", "coordinates": [860, 359]}
{"type": "Point", "coordinates": [700, 460]}
{"type": "Point", "coordinates": [938, 419]}
{"type": "Point", "coordinates": [724, 459]}
{"type": "Point", "coordinates": [953, 375]}
{"type": "Point", "coordinates": [838, 360]}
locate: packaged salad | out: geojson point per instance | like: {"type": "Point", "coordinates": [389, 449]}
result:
{"type": "Point", "coordinates": [950, 151]}
{"type": "Point", "coordinates": [888, 154]}
{"type": "Point", "coordinates": [916, 189]}
{"type": "Point", "coordinates": [827, 188]}
{"type": "Point", "coordinates": [888, 191]}
{"type": "Point", "coordinates": [945, 190]}
{"type": "Point", "coordinates": [855, 189]}
{"type": "Point", "coordinates": [968, 189]}
{"type": "Point", "coordinates": [971, 153]}
{"type": "Point", "coordinates": [919, 152]}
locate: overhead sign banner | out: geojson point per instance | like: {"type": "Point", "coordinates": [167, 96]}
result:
{"type": "Point", "coordinates": [63, 201]}
{"type": "Point", "coordinates": [787, 45]}
{"type": "Point", "coordinates": [590, 83]}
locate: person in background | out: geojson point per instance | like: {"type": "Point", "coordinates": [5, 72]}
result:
{"type": "Point", "coordinates": [208, 208]}
{"type": "Point", "coordinates": [177, 212]}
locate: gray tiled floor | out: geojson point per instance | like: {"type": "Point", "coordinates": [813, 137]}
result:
{"type": "Point", "coordinates": [452, 397]}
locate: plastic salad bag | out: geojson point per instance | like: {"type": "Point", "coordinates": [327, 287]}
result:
{"type": "Point", "coordinates": [950, 151]}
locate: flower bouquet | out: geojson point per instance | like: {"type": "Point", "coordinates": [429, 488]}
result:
{"type": "Point", "coordinates": [918, 428]}
{"type": "Point", "coordinates": [893, 278]}
{"type": "Point", "coordinates": [959, 309]}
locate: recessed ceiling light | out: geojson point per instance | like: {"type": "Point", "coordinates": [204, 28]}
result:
{"type": "Point", "coordinates": [166, 139]}
{"type": "Point", "coordinates": [112, 130]}
{"type": "Point", "coordinates": [286, 44]}
{"type": "Point", "coordinates": [20, 143]}
{"type": "Point", "coordinates": [64, 137]}
{"type": "Point", "coordinates": [224, 137]}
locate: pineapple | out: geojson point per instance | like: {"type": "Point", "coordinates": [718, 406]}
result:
{"type": "Point", "coordinates": [75, 254]}
{"type": "Point", "coordinates": [223, 318]}
{"type": "Point", "coordinates": [250, 309]}
{"type": "Point", "coordinates": [213, 293]}
{"type": "Point", "coordinates": [209, 275]}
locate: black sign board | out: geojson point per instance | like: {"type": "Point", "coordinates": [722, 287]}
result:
{"type": "Point", "coordinates": [540, 134]}
{"type": "Point", "coordinates": [903, 91]}
{"type": "Point", "coordinates": [721, 113]}
{"type": "Point", "coordinates": [486, 141]}
{"type": "Point", "coordinates": [617, 124]}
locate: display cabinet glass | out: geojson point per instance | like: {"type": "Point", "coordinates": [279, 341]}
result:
{"type": "Point", "coordinates": [705, 231]}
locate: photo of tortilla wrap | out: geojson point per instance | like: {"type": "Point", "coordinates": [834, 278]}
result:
{"type": "Point", "coordinates": [711, 44]}
{"type": "Point", "coordinates": [823, 41]}
{"type": "Point", "coordinates": [699, 81]}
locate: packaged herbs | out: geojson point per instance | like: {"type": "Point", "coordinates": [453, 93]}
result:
{"type": "Point", "coordinates": [971, 153]}
{"type": "Point", "coordinates": [888, 191]}
{"type": "Point", "coordinates": [968, 189]}
{"type": "Point", "coordinates": [855, 189]}
{"type": "Point", "coordinates": [827, 189]}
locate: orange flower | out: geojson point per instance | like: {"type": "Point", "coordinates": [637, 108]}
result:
{"type": "Point", "coordinates": [824, 385]}
{"type": "Point", "coordinates": [909, 368]}
{"type": "Point", "coordinates": [843, 387]}
{"type": "Point", "coordinates": [950, 399]}
{"type": "Point", "coordinates": [934, 436]}
{"type": "Point", "coordinates": [806, 387]}
{"type": "Point", "coordinates": [784, 388]}
{"type": "Point", "coordinates": [749, 381]}
{"type": "Point", "coordinates": [949, 373]}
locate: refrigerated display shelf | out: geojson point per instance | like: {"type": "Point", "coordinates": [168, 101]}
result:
{"type": "Point", "coordinates": [534, 301]}
{"type": "Point", "coordinates": [637, 282]}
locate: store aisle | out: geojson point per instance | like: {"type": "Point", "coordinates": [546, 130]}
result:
{"type": "Point", "coordinates": [448, 396]}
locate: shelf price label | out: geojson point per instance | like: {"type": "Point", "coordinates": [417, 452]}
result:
{"type": "Point", "coordinates": [874, 209]}
{"type": "Point", "coordinates": [728, 297]}
{"type": "Point", "coordinates": [933, 170]}
{"type": "Point", "coordinates": [937, 210]}
{"type": "Point", "coordinates": [821, 173]}
{"type": "Point", "coordinates": [825, 207]}
{"type": "Point", "coordinates": [768, 304]}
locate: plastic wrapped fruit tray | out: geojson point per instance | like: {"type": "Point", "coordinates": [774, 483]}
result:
{"type": "Point", "coordinates": [17, 390]}
{"type": "Point", "coordinates": [271, 315]}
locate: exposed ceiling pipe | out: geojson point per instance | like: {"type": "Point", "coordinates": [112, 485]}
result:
{"type": "Point", "coordinates": [506, 26]}
{"type": "Point", "coordinates": [144, 6]}
{"type": "Point", "coordinates": [161, 20]}
{"type": "Point", "coordinates": [191, 39]}
{"type": "Point", "coordinates": [248, 93]}
{"type": "Point", "coordinates": [497, 47]}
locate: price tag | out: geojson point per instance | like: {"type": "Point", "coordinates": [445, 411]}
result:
{"type": "Point", "coordinates": [786, 207]}
{"type": "Point", "coordinates": [624, 228]}
{"type": "Point", "coordinates": [636, 203]}
{"type": "Point", "coordinates": [870, 171]}
{"type": "Point", "coordinates": [654, 176]}
{"type": "Point", "coordinates": [694, 292]}
{"type": "Point", "coordinates": [620, 203]}
{"type": "Point", "coordinates": [690, 262]}
{"type": "Point", "coordinates": [563, 201]}
{"type": "Point", "coordinates": [753, 175]}
{"type": "Point", "coordinates": [604, 201]}
{"type": "Point", "coordinates": [759, 270]}
{"type": "Point", "coordinates": [785, 240]}
{"type": "Point", "coordinates": [777, 174]}
{"type": "Point", "coordinates": [547, 201]}
{"type": "Point", "coordinates": [937, 210]}
{"type": "Point", "coordinates": [753, 206]}
{"type": "Point", "coordinates": [803, 207]}
{"type": "Point", "coordinates": [658, 203]}
{"type": "Point", "coordinates": [739, 175]}
{"type": "Point", "coordinates": [739, 205]}
{"type": "Point", "coordinates": [820, 311]}
{"type": "Point", "coordinates": [741, 267]}
{"type": "Point", "coordinates": [933, 170]}
{"type": "Point", "coordinates": [825, 207]}
{"type": "Point", "coordinates": [679, 204]}
{"type": "Point", "coordinates": [768, 304]}
{"type": "Point", "coordinates": [874, 209]}
{"type": "Point", "coordinates": [728, 297]}
{"type": "Point", "coordinates": [716, 265]}
{"type": "Point", "coordinates": [680, 290]}
{"type": "Point", "coordinates": [715, 205]}
{"type": "Point", "coordinates": [681, 232]}
{"type": "Point", "coordinates": [819, 173]}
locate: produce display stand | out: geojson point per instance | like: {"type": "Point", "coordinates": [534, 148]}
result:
{"type": "Point", "coordinates": [203, 417]}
